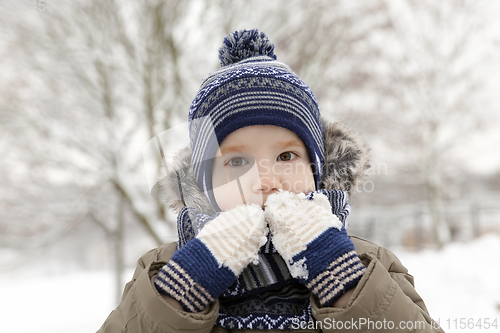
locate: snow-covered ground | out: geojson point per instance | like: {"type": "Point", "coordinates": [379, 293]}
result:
{"type": "Point", "coordinates": [459, 282]}
{"type": "Point", "coordinates": [76, 303]}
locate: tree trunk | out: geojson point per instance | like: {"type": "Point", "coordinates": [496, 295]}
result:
{"type": "Point", "coordinates": [118, 245]}
{"type": "Point", "coordinates": [439, 227]}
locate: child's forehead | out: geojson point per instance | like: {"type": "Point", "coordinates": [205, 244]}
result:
{"type": "Point", "coordinates": [229, 148]}
{"type": "Point", "coordinates": [260, 137]}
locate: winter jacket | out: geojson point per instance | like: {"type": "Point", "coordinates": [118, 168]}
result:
{"type": "Point", "coordinates": [384, 300]}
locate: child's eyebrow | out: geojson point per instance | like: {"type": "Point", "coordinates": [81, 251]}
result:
{"type": "Point", "coordinates": [292, 142]}
{"type": "Point", "coordinates": [232, 149]}
{"type": "Point", "coordinates": [242, 148]}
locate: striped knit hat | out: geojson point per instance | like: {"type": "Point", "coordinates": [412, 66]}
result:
{"type": "Point", "coordinates": [250, 88]}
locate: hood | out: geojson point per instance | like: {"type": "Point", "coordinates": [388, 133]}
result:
{"type": "Point", "coordinates": [346, 163]}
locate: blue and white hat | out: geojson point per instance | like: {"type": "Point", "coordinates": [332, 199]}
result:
{"type": "Point", "coordinates": [251, 88]}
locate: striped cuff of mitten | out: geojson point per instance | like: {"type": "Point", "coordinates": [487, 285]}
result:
{"type": "Point", "coordinates": [332, 265]}
{"type": "Point", "coordinates": [341, 275]}
{"type": "Point", "coordinates": [193, 277]}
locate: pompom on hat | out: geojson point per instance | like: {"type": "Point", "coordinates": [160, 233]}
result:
{"type": "Point", "coordinates": [245, 44]}
{"type": "Point", "coordinates": [250, 88]}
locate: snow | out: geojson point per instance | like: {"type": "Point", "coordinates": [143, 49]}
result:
{"type": "Point", "coordinates": [298, 269]}
{"type": "Point", "coordinates": [77, 303]}
{"type": "Point", "coordinates": [461, 281]}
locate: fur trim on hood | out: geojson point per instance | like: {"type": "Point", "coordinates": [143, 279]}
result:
{"type": "Point", "coordinates": [345, 167]}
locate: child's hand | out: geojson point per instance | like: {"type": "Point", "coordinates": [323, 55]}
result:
{"type": "Point", "coordinates": [235, 236]}
{"type": "Point", "coordinates": [314, 244]}
{"type": "Point", "coordinates": [207, 265]}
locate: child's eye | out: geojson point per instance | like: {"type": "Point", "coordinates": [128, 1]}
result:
{"type": "Point", "coordinates": [287, 156]}
{"type": "Point", "coordinates": [237, 162]}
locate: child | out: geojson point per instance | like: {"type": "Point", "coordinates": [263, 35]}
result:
{"type": "Point", "coordinates": [261, 196]}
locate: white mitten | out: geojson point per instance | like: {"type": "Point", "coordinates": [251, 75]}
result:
{"type": "Point", "coordinates": [207, 265]}
{"type": "Point", "coordinates": [314, 243]}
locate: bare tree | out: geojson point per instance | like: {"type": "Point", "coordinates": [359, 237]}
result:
{"type": "Point", "coordinates": [90, 83]}
{"type": "Point", "coordinates": [432, 95]}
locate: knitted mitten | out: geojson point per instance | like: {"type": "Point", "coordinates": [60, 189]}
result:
{"type": "Point", "coordinates": [207, 265]}
{"type": "Point", "coordinates": [314, 244]}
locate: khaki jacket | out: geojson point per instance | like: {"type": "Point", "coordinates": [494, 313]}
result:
{"type": "Point", "coordinates": [384, 300]}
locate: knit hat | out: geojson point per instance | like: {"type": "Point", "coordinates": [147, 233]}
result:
{"type": "Point", "coordinates": [250, 88]}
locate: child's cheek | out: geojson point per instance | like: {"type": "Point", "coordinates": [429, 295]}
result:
{"type": "Point", "coordinates": [297, 178]}
{"type": "Point", "coordinates": [232, 194]}
{"type": "Point", "coordinates": [228, 196]}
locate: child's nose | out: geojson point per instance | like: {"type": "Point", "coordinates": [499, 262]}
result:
{"type": "Point", "coordinates": [269, 180]}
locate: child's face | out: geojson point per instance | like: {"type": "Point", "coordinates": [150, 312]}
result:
{"type": "Point", "coordinates": [256, 161]}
